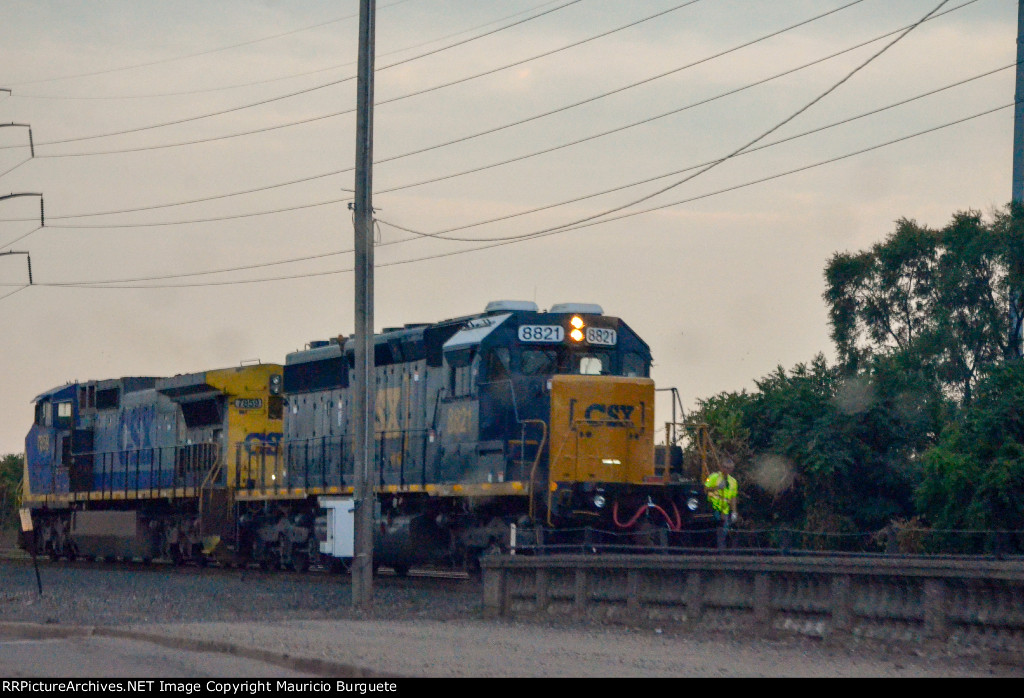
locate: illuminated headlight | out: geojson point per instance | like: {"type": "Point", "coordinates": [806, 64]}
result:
{"type": "Point", "coordinates": [599, 501]}
{"type": "Point", "coordinates": [692, 504]}
{"type": "Point", "coordinates": [576, 335]}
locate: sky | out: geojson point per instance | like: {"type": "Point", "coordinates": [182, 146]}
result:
{"type": "Point", "coordinates": [220, 137]}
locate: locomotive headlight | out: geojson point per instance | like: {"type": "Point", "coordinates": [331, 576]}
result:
{"type": "Point", "coordinates": [599, 501]}
{"type": "Point", "coordinates": [275, 384]}
{"type": "Point", "coordinates": [577, 328]}
{"type": "Point", "coordinates": [692, 504]}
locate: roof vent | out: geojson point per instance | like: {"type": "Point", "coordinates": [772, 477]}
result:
{"type": "Point", "coordinates": [506, 306]}
{"type": "Point", "coordinates": [581, 308]}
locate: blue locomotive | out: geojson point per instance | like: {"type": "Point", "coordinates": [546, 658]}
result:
{"type": "Point", "coordinates": [501, 429]}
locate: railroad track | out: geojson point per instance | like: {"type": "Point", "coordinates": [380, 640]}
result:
{"type": "Point", "coordinates": [191, 568]}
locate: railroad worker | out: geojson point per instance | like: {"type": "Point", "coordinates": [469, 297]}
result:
{"type": "Point", "coordinates": [722, 489]}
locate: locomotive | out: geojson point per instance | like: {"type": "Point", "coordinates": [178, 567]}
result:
{"type": "Point", "coordinates": [495, 431]}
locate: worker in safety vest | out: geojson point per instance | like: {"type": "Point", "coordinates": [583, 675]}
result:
{"type": "Point", "coordinates": [722, 489]}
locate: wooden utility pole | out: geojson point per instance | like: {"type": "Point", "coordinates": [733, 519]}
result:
{"type": "Point", "coordinates": [364, 388]}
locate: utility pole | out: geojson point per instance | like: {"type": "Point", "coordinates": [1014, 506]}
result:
{"type": "Point", "coordinates": [365, 388]}
{"type": "Point", "coordinates": [1018, 174]}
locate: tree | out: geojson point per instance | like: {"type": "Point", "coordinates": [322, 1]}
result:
{"type": "Point", "coordinates": [823, 451]}
{"type": "Point", "coordinates": [935, 301]}
{"type": "Point", "coordinates": [974, 478]}
{"type": "Point", "coordinates": [883, 300]}
{"type": "Point", "coordinates": [11, 470]}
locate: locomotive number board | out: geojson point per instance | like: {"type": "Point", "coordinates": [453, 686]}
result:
{"type": "Point", "coordinates": [541, 333]}
{"type": "Point", "coordinates": [600, 335]}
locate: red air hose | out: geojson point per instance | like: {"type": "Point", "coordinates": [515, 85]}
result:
{"type": "Point", "coordinates": [628, 524]}
{"type": "Point", "coordinates": [671, 525]}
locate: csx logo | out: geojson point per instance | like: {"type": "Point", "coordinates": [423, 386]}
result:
{"type": "Point", "coordinates": [614, 413]}
{"type": "Point", "coordinates": [262, 443]}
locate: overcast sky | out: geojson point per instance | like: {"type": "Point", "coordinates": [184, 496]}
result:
{"type": "Point", "coordinates": [723, 280]}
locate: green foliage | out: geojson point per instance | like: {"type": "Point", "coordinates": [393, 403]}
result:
{"type": "Point", "coordinates": [974, 478]}
{"type": "Point", "coordinates": [935, 300]}
{"type": "Point", "coordinates": [821, 451]}
{"type": "Point", "coordinates": [11, 470]}
{"type": "Point", "coordinates": [920, 424]}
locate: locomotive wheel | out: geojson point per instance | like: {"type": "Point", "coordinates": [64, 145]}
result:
{"type": "Point", "coordinates": [260, 555]}
{"type": "Point", "coordinates": [301, 557]}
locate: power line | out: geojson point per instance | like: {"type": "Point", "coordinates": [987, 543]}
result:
{"type": "Point", "coordinates": [22, 237]}
{"type": "Point", "coordinates": [560, 146]}
{"type": "Point", "coordinates": [442, 233]}
{"type": "Point", "coordinates": [536, 234]}
{"type": "Point", "coordinates": [345, 170]}
{"type": "Point", "coordinates": [18, 290]}
{"type": "Point", "coordinates": [270, 100]}
{"type": "Point", "coordinates": [771, 130]}
{"type": "Point", "coordinates": [7, 172]}
{"type": "Point", "coordinates": [378, 103]}
{"type": "Point", "coordinates": [476, 135]}
{"type": "Point", "coordinates": [222, 88]}
{"type": "Point", "coordinates": [195, 55]}
{"type": "Point", "coordinates": [305, 179]}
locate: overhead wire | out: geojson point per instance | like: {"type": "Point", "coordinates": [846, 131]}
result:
{"type": "Point", "coordinates": [583, 222]}
{"type": "Point", "coordinates": [7, 172]}
{"type": "Point", "coordinates": [22, 95]}
{"type": "Point", "coordinates": [117, 284]}
{"type": "Point", "coordinates": [462, 139]}
{"type": "Point", "coordinates": [173, 59]}
{"type": "Point", "coordinates": [754, 141]}
{"type": "Point", "coordinates": [441, 233]}
{"type": "Point", "coordinates": [516, 123]}
{"type": "Point", "coordinates": [18, 290]}
{"type": "Point", "coordinates": [20, 238]}
{"type": "Point", "coordinates": [618, 129]}
{"type": "Point", "coordinates": [308, 90]}
{"type": "Point", "coordinates": [436, 146]}
{"type": "Point", "coordinates": [379, 102]}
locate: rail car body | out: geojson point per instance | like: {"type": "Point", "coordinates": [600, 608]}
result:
{"type": "Point", "coordinates": [143, 466]}
{"type": "Point", "coordinates": [492, 430]}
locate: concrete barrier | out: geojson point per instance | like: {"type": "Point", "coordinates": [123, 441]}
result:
{"type": "Point", "coordinates": [975, 603]}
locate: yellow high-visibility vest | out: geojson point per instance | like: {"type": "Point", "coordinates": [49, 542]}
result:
{"type": "Point", "coordinates": [721, 498]}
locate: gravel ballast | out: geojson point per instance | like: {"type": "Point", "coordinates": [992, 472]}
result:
{"type": "Point", "coordinates": [418, 627]}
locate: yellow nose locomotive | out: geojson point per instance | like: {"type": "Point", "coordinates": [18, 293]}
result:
{"type": "Point", "coordinates": [511, 427]}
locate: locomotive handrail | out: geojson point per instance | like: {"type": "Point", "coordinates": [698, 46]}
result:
{"type": "Point", "coordinates": [536, 458]}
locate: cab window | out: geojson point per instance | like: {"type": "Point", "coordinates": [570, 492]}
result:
{"type": "Point", "coordinates": [496, 364]}
{"type": "Point", "coordinates": [589, 365]}
{"type": "Point", "coordinates": [538, 362]}
{"type": "Point", "coordinates": [633, 365]}
{"type": "Point", "coordinates": [44, 416]}
{"type": "Point", "coordinates": [461, 369]}
{"type": "Point", "coordinates": [63, 414]}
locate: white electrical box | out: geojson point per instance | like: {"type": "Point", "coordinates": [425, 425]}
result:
{"type": "Point", "coordinates": [340, 540]}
